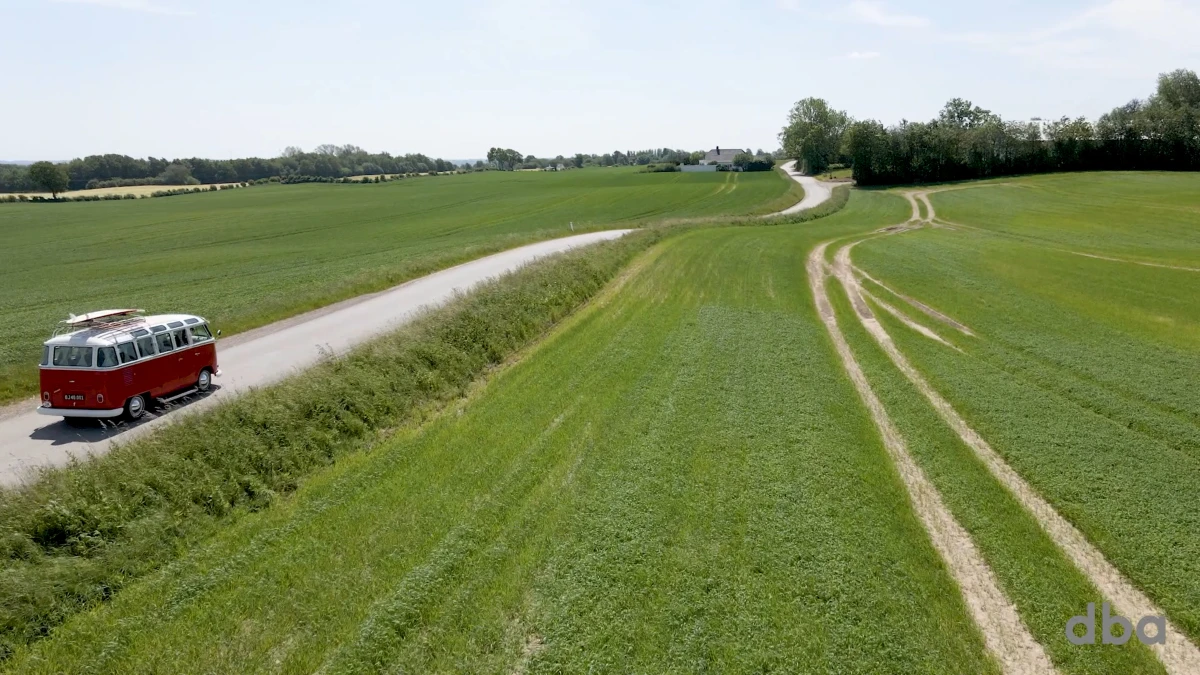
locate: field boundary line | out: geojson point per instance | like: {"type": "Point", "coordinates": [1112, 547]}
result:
{"type": "Point", "coordinates": [1006, 636]}
{"type": "Point", "coordinates": [1178, 655]}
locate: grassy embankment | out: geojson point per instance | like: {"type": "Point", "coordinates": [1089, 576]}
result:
{"type": "Point", "coordinates": [653, 487]}
{"type": "Point", "coordinates": [1082, 378]}
{"type": "Point", "coordinates": [244, 258]}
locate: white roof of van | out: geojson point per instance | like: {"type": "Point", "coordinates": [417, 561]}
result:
{"type": "Point", "coordinates": [107, 334]}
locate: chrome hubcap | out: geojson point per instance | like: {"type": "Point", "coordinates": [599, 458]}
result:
{"type": "Point", "coordinates": [204, 381]}
{"type": "Point", "coordinates": [135, 406]}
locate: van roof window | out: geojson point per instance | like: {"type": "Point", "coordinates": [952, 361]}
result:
{"type": "Point", "coordinates": [158, 329]}
{"type": "Point", "coordinates": [192, 321]}
{"type": "Point", "coordinates": [175, 324]}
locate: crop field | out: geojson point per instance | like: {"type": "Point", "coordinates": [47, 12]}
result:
{"type": "Point", "coordinates": [917, 435]}
{"type": "Point", "coordinates": [667, 501]}
{"type": "Point", "coordinates": [1079, 294]}
{"type": "Point", "coordinates": [243, 258]}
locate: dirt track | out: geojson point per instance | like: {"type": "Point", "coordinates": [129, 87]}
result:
{"type": "Point", "coordinates": [1003, 631]}
{"type": "Point", "coordinates": [1178, 655]}
{"type": "Point", "coordinates": [815, 191]}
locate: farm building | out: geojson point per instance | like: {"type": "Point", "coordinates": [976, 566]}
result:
{"type": "Point", "coordinates": [721, 157]}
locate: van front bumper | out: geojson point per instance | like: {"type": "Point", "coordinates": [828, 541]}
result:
{"type": "Point", "coordinates": [79, 412]}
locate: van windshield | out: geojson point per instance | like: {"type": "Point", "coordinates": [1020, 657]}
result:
{"type": "Point", "coordinates": [73, 357]}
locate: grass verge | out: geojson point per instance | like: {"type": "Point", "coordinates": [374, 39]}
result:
{"type": "Point", "coordinates": [78, 534]}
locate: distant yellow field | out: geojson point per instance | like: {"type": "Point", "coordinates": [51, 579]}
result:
{"type": "Point", "coordinates": [134, 190]}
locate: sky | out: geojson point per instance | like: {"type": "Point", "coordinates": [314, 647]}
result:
{"type": "Point", "coordinates": [225, 78]}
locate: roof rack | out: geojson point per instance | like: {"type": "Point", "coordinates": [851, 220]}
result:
{"type": "Point", "coordinates": [106, 318]}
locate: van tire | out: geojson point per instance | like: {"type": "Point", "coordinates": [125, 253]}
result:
{"type": "Point", "coordinates": [204, 381]}
{"type": "Point", "coordinates": [135, 407]}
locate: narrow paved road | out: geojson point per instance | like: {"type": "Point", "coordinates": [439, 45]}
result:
{"type": "Point", "coordinates": [268, 354]}
{"type": "Point", "coordinates": [815, 191]}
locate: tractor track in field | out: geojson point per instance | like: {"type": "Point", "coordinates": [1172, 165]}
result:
{"type": "Point", "coordinates": [1178, 654]}
{"type": "Point", "coordinates": [1005, 635]}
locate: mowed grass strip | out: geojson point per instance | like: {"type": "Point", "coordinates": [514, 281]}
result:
{"type": "Point", "coordinates": [243, 258]}
{"type": "Point", "coordinates": [1082, 378]}
{"type": "Point", "coordinates": [680, 479]}
{"type": "Point", "coordinates": [1047, 589]}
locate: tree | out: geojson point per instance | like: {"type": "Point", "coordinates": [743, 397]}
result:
{"type": "Point", "coordinates": [178, 174]}
{"type": "Point", "coordinates": [579, 159]}
{"type": "Point", "coordinates": [1179, 89]}
{"type": "Point", "coordinates": [813, 134]}
{"type": "Point", "coordinates": [962, 114]}
{"type": "Point", "coordinates": [50, 177]}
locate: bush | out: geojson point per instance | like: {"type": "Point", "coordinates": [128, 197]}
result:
{"type": "Point", "coordinates": [78, 534]}
{"type": "Point", "coordinates": [659, 168]}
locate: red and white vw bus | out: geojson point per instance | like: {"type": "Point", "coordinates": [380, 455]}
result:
{"type": "Point", "coordinates": [115, 362]}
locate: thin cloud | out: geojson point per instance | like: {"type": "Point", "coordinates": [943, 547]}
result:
{"type": "Point", "coordinates": [870, 11]}
{"type": "Point", "coordinates": [132, 5]}
{"type": "Point", "coordinates": [1150, 32]}
{"type": "Point", "coordinates": [862, 55]}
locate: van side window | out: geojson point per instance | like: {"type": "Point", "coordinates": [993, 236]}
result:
{"type": "Point", "coordinates": [106, 357]}
{"type": "Point", "coordinates": [181, 338]}
{"type": "Point", "coordinates": [145, 345]}
{"type": "Point", "coordinates": [163, 340]}
{"type": "Point", "coordinates": [45, 356]}
{"type": "Point", "coordinates": [127, 352]}
{"type": "Point", "coordinates": [201, 333]}
{"type": "Point", "coordinates": [73, 357]}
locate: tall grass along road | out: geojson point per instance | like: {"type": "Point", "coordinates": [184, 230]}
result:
{"type": "Point", "coordinates": [30, 440]}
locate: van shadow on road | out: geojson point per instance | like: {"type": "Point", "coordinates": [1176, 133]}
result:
{"type": "Point", "coordinates": [85, 430]}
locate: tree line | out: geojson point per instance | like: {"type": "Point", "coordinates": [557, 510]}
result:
{"type": "Point", "coordinates": [965, 141]}
{"type": "Point", "coordinates": [326, 161]}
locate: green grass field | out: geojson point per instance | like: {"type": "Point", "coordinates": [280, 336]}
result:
{"type": "Point", "coordinates": [668, 501]}
{"type": "Point", "coordinates": [1084, 373]}
{"type": "Point", "coordinates": [681, 476]}
{"type": "Point", "coordinates": [243, 258]}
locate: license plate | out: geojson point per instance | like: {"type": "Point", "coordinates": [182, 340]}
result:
{"type": "Point", "coordinates": [73, 397]}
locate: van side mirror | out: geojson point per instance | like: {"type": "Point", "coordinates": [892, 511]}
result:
{"type": "Point", "coordinates": [218, 332]}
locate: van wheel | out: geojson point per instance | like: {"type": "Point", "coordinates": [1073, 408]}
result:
{"type": "Point", "coordinates": [135, 407]}
{"type": "Point", "coordinates": [204, 381]}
